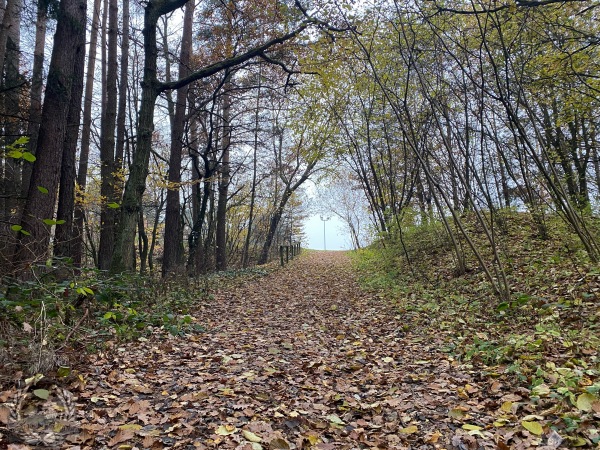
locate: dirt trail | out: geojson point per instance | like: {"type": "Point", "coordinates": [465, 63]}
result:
{"type": "Point", "coordinates": [298, 359]}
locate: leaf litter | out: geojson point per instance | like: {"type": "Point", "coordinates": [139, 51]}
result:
{"type": "Point", "coordinates": [303, 358]}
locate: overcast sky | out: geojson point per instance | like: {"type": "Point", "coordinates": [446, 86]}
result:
{"type": "Point", "coordinates": [336, 236]}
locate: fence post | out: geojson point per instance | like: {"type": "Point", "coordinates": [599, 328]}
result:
{"type": "Point", "coordinates": [287, 253]}
{"type": "Point", "coordinates": [281, 254]}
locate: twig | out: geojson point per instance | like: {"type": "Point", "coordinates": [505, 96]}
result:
{"type": "Point", "coordinates": [79, 322]}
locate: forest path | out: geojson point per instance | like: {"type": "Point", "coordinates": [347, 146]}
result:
{"type": "Point", "coordinates": [301, 358]}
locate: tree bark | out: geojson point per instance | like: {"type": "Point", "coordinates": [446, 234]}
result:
{"type": "Point", "coordinates": [122, 108]}
{"type": "Point", "coordinates": [10, 99]}
{"type": "Point", "coordinates": [41, 197]}
{"type": "Point", "coordinates": [37, 84]}
{"type": "Point", "coordinates": [107, 146]}
{"type": "Point", "coordinates": [8, 21]}
{"type": "Point", "coordinates": [136, 183]}
{"type": "Point", "coordinates": [78, 222]}
{"type": "Point", "coordinates": [64, 237]}
{"type": "Point", "coordinates": [224, 179]}
{"type": "Point", "coordinates": [172, 256]}
{"type": "Point", "coordinates": [122, 258]}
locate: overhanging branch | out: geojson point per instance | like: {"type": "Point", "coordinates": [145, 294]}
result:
{"type": "Point", "coordinates": [518, 3]}
{"type": "Point", "coordinates": [233, 61]}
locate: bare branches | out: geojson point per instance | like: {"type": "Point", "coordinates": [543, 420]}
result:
{"type": "Point", "coordinates": [235, 60]}
{"type": "Point", "coordinates": [517, 3]}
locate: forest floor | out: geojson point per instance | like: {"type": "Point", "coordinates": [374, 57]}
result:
{"type": "Point", "coordinates": [301, 358]}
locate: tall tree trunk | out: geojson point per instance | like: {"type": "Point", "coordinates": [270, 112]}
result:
{"type": "Point", "coordinates": [122, 108]}
{"type": "Point", "coordinates": [276, 217]}
{"type": "Point", "coordinates": [173, 225]}
{"type": "Point", "coordinates": [37, 84]}
{"type": "Point", "coordinates": [224, 178]}
{"type": "Point", "coordinates": [107, 146]}
{"type": "Point", "coordinates": [64, 238]}
{"type": "Point", "coordinates": [11, 11]}
{"type": "Point", "coordinates": [41, 197]}
{"type": "Point", "coordinates": [136, 183]}
{"type": "Point", "coordinates": [122, 258]}
{"type": "Point", "coordinates": [10, 100]}
{"type": "Point", "coordinates": [246, 251]}
{"type": "Point", "coordinates": [78, 223]}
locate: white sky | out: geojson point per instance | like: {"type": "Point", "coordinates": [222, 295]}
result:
{"type": "Point", "coordinates": [336, 236]}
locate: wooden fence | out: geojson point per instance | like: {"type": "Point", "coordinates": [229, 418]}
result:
{"type": "Point", "coordinates": [287, 252]}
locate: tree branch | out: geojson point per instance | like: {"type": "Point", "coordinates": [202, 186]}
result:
{"type": "Point", "coordinates": [518, 3]}
{"type": "Point", "coordinates": [233, 61]}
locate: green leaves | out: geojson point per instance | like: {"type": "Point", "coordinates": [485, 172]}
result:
{"type": "Point", "coordinates": [20, 229]}
{"type": "Point", "coordinates": [16, 154]}
{"type": "Point", "coordinates": [53, 222]}
{"type": "Point", "coordinates": [42, 189]}
{"type": "Point", "coordinates": [16, 150]}
{"type": "Point", "coordinates": [42, 393]}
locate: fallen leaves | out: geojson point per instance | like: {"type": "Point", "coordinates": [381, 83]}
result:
{"type": "Point", "coordinates": [279, 368]}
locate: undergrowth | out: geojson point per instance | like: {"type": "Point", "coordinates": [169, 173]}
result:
{"type": "Point", "coordinates": [54, 318]}
{"type": "Point", "coordinates": [545, 338]}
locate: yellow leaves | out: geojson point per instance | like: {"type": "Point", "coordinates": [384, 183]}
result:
{"type": "Point", "coordinates": [506, 407]}
{"type": "Point", "coordinates": [131, 426]}
{"type": "Point", "coordinates": [458, 413]}
{"type": "Point", "coordinates": [501, 422]}
{"type": "Point", "coordinates": [334, 419]}
{"type": "Point", "coordinates": [225, 430]}
{"type": "Point", "coordinates": [250, 436]}
{"type": "Point", "coordinates": [541, 390]}
{"type": "Point", "coordinates": [533, 427]}
{"type": "Point", "coordinates": [433, 437]}
{"type": "Point", "coordinates": [585, 402]}
{"type": "Point", "coordinates": [409, 430]}
{"type": "Point", "coordinates": [313, 439]}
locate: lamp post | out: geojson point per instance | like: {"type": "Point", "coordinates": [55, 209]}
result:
{"type": "Point", "coordinates": [324, 219]}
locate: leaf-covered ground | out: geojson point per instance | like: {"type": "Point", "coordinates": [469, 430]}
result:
{"type": "Point", "coordinates": [301, 358]}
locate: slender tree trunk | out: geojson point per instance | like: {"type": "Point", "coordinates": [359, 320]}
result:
{"type": "Point", "coordinates": [122, 108]}
{"type": "Point", "coordinates": [276, 217]}
{"type": "Point", "coordinates": [107, 146]}
{"type": "Point", "coordinates": [224, 178]}
{"type": "Point", "coordinates": [37, 84]}
{"type": "Point", "coordinates": [41, 197]}
{"type": "Point", "coordinates": [151, 88]}
{"type": "Point", "coordinates": [122, 259]}
{"type": "Point", "coordinates": [142, 243]}
{"type": "Point", "coordinates": [78, 221]}
{"type": "Point", "coordinates": [103, 55]}
{"type": "Point", "coordinates": [173, 225]}
{"type": "Point", "coordinates": [153, 240]}
{"type": "Point", "coordinates": [246, 252]}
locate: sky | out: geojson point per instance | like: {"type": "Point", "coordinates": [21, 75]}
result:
{"type": "Point", "coordinates": [336, 236]}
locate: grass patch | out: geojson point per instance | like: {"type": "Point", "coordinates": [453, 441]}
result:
{"type": "Point", "coordinates": [545, 338]}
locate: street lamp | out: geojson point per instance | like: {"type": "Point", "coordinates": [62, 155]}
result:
{"type": "Point", "coordinates": [324, 219]}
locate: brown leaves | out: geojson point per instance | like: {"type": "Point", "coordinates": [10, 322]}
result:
{"type": "Point", "coordinates": [279, 368]}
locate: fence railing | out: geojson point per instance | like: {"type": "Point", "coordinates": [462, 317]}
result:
{"type": "Point", "coordinates": [287, 252]}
